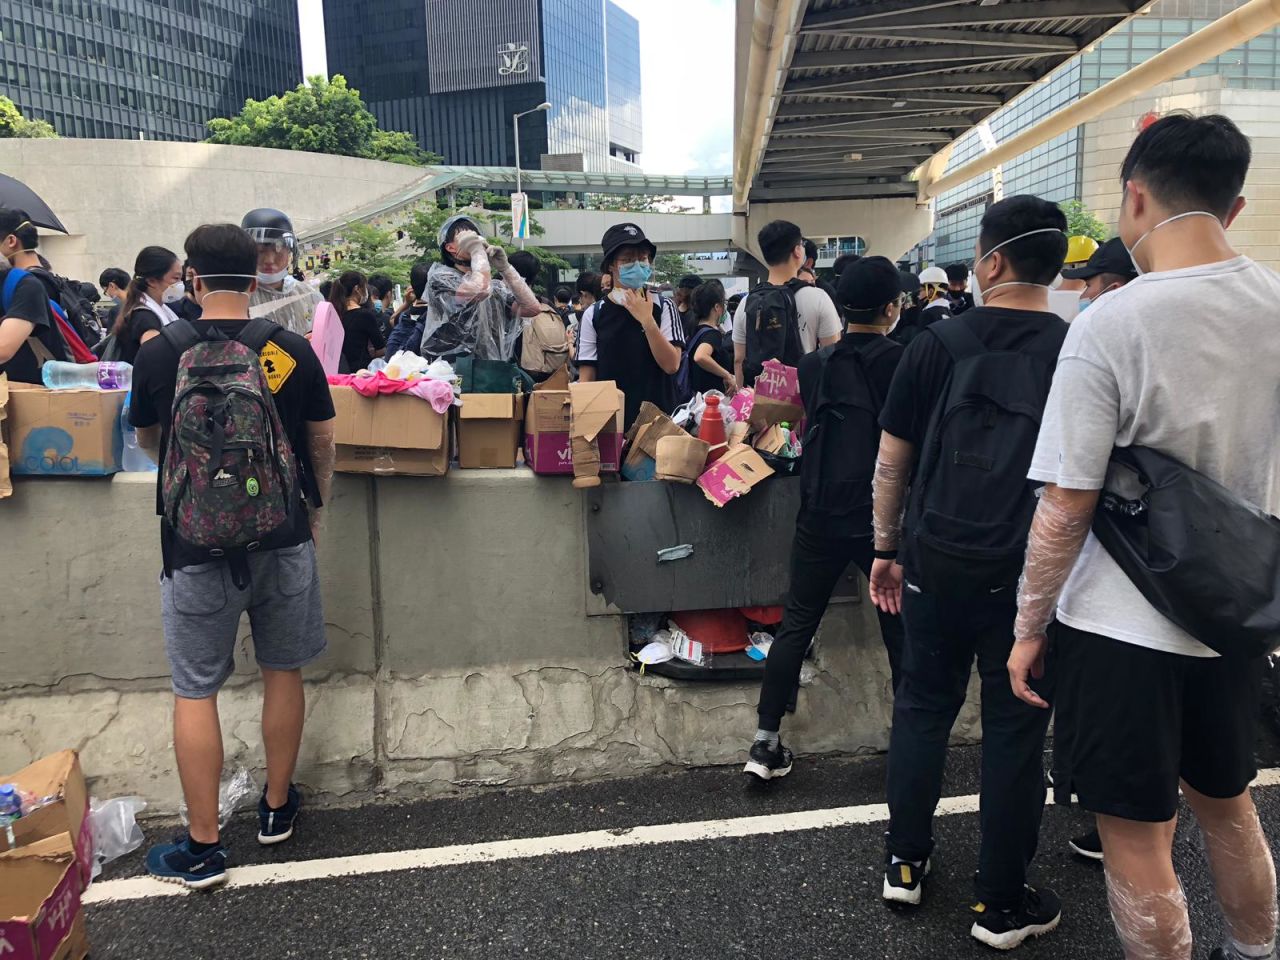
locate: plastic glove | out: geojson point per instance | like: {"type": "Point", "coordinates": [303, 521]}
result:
{"type": "Point", "coordinates": [469, 243]}
{"type": "Point", "coordinates": [498, 259]}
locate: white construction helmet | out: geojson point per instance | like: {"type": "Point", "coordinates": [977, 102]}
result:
{"type": "Point", "coordinates": [933, 275]}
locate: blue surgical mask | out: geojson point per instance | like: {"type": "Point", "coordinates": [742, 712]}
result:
{"type": "Point", "coordinates": [1085, 304]}
{"type": "Point", "coordinates": [635, 275]}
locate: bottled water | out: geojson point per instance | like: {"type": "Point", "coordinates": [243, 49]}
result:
{"type": "Point", "coordinates": [134, 459]}
{"type": "Point", "coordinates": [111, 375]}
{"type": "Point", "coordinates": [10, 810]}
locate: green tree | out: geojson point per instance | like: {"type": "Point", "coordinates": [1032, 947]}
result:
{"type": "Point", "coordinates": [14, 124]}
{"type": "Point", "coordinates": [319, 116]}
{"type": "Point", "coordinates": [637, 203]}
{"type": "Point", "coordinates": [669, 268]}
{"type": "Point", "coordinates": [1083, 222]}
{"type": "Point", "coordinates": [423, 229]}
{"type": "Point", "coordinates": [373, 250]}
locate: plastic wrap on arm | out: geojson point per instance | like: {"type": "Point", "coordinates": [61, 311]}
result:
{"type": "Point", "coordinates": [475, 284]}
{"type": "Point", "coordinates": [1058, 532]}
{"type": "Point", "coordinates": [323, 456]}
{"type": "Point", "coordinates": [526, 304]}
{"type": "Point", "coordinates": [1151, 924]}
{"type": "Point", "coordinates": [889, 490]}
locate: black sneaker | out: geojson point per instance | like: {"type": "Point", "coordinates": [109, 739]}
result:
{"type": "Point", "coordinates": [1039, 913]}
{"type": "Point", "coordinates": [903, 882]}
{"type": "Point", "coordinates": [1088, 846]}
{"type": "Point", "coordinates": [276, 826]}
{"type": "Point", "coordinates": [768, 762]}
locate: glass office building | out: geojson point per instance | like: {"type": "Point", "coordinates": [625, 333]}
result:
{"type": "Point", "coordinates": [454, 72]}
{"type": "Point", "coordinates": [1054, 169]}
{"type": "Point", "coordinates": [159, 69]}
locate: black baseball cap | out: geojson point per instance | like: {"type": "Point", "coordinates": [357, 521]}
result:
{"type": "Point", "coordinates": [624, 235]}
{"type": "Point", "coordinates": [868, 284]}
{"type": "Point", "coordinates": [1111, 257]}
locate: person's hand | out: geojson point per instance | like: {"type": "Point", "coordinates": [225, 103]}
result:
{"type": "Point", "coordinates": [637, 304]}
{"type": "Point", "coordinates": [497, 259]}
{"type": "Point", "coordinates": [1026, 662]}
{"type": "Point", "coordinates": [470, 243]}
{"type": "Point", "coordinates": [730, 386]}
{"type": "Point", "coordinates": [886, 585]}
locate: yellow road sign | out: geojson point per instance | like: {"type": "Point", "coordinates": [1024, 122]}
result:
{"type": "Point", "coordinates": [277, 365]}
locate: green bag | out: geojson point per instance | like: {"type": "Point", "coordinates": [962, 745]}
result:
{"type": "Point", "coordinates": [491, 376]}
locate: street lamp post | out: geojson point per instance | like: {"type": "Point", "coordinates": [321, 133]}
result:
{"type": "Point", "coordinates": [515, 123]}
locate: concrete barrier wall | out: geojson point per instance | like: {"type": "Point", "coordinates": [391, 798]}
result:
{"type": "Point", "coordinates": [460, 649]}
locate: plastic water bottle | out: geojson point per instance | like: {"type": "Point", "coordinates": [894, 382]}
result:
{"type": "Point", "coordinates": [10, 810]}
{"type": "Point", "coordinates": [134, 459]}
{"type": "Point", "coordinates": [111, 375]}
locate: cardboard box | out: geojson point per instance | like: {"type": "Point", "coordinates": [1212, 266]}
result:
{"type": "Point", "coordinates": [766, 412]}
{"type": "Point", "coordinates": [392, 433]}
{"type": "Point", "coordinates": [6, 485]}
{"type": "Point", "coordinates": [650, 426]}
{"type": "Point", "coordinates": [40, 909]}
{"type": "Point", "coordinates": [64, 433]}
{"type": "Point", "coordinates": [681, 458]}
{"type": "Point", "coordinates": [779, 382]}
{"type": "Point", "coordinates": [65, 817]}
{"type": "Point", "coordinates": [489, 427]}
{"type": "Point", "coordinates": [548, 419]}
{"type": "Point", "coordinates": [733, 475]}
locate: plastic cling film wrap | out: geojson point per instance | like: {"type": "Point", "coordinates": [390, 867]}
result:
{"type": "Point", "coordinates": [232, 795]}
{"type": "Point", "coordinates": [1244, 878]}
{"type": "Point", "coordinates": [115, 828]}
{"type": "Point", "coordinates": [889, 490]}
{"type": "Point", "coordinates": [1057, 534]}
{"type": "Point", "coordinates": [1152, 925]}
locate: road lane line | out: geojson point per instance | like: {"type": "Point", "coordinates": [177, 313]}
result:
{"type": "Point", "coordinates": [427, 858]}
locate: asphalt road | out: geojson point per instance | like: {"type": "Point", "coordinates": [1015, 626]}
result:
{"type": "Point", "coordinates": [807, 894]}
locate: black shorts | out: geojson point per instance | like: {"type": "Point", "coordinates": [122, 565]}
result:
{"type": "Point", "coordinates": [1132, 721]}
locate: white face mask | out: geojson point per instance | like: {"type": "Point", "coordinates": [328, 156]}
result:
{"type": "Point", "coordinates": [235, 293]}
{"type": "Point", "coordinates": [1191, 213]}
{"type": "Point", "coordinates": [272, 278]}
{"type": "Point", "coordinates": [979, 293]}
{"type": "Point", "coordinates": [174, 292]}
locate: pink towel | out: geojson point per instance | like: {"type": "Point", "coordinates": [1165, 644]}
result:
{"type": "Point", "coordinates": [436, 392]}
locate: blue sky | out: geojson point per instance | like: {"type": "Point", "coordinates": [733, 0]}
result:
{"type": "Point", "coordinates": [686, 52]}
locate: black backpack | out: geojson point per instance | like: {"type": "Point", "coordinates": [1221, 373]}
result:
{"type": "Point", "coordinates": [684, 375]}
{"type": "Point", "coordinates": [843, 438]}
{"type": "Point", "coordinates": [79, 311]}
{"type": "Point", "coordinates": [773, 329]}
{"type": "Point", "coordinates": [971, 502]}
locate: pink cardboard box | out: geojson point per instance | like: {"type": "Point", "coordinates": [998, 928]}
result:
{"type": "Point", "coordinates": [779, 382]}
{"type": "Point", "coordinates": [733, 475]}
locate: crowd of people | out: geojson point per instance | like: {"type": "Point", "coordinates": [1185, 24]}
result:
{"type": "Point", "coordinates": [956, 447]}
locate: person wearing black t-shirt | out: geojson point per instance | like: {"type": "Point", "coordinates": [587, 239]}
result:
{"type": "Point", "coordinates": [28, 336]}
{"type": "Point", "coordinates": [1021, 246]}
{"type": "Point", "coordinates": [710, 357]}
{"type": "Point", "coordinates": [202, 601]}
{"type": "Point", "coordinates": [148, 304]}
{"type": "Point", "coordinates": [870, 302]}
{"type": "Point", "coordinates": [627, 336]}
{"type": "Point", "coordinates": [362, 332]}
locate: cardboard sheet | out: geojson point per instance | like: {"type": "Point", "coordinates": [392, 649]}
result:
{"type": "Point", "coordinates": [733, 475]}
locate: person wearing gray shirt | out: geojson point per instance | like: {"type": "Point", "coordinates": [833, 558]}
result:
{"type": "Point", "coordinates": [1184, 360]}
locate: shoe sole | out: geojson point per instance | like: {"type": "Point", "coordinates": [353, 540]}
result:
{"type": "Point", "coordinates": [203, 884]}
{"type": "Point", "coordinates": [764, 773]}
{"type": "Point", "coordinates": [910, 898]}
{"type": "Point", "coordinates": [273, 839]}
{"type": "Point", "coordinates": [1012, 938]}
{"type": "Point", "coordinates": [1094, 855]}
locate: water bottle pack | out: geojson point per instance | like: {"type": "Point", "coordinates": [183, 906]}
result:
{"type": "Point", "coordinates": [104, 375]}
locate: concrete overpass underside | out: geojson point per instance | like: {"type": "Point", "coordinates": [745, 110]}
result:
{"type": "Point", "coordinates": [843, 104]}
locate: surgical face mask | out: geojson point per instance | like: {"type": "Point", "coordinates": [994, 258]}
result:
{"type": "Point", "coordinates": [174, 292]}
{"type": "Point", "coordinates": [273, 278]}
{"type": "Point", "coordinates": [1191, 213]}
{"type": "Point", "coordinates": [979, 294]}
{"type": "Point", "coordinates": [235, 276]}
{"type": "Point", "coordinates": [1085, 304]}
{"type": "Point", "coordinates": [635, 275]}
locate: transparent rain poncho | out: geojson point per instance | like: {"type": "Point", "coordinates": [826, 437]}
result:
{"type": "Point", "coordinates": [293, 306]}
{"type": "Point", "coordinates": [485, 326]}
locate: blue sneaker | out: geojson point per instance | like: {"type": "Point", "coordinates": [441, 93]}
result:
{"type": "Point", "coordinates": [175, 863]}
{"type": "Point", "coordinates": [276, 826]}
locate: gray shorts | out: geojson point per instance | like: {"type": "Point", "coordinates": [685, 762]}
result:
{"type": "Point", "coordinates": [200, 608]}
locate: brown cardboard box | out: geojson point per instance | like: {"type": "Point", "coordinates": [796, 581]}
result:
{"type": "Point", "coordinates": [66, 817]}
{"type": "Point", "coordinates": [681, 458]}
{"type": "Point", "coordinates": [389, 434]}
{"type": "Point", "coordinates": [733, 475]}
{"type": "Point", "coordinates": [489, 426]}
{"type": "Point", "coordinates": [547, 422]}
{"type": "Point", "coordinates": [650, 426]}
{"type": "Point", "coordinates": [64, 433]}
{"type": "Point", "coordinates": [6, 486]}
{"type": "Point", "coordinates": [40, 910]}
{"type": "Point", "coordinates": [766, 413]}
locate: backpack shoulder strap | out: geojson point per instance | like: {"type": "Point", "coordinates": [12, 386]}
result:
{"type": "Point", "coordinates": [11, 281]}
{"type": "Point", "coordinates": [874, 351]}
{"type": "Point", "coordinates": [257, 333]}
{"type": "Point", "coordinates": [957, 338]}
{"type": "Point", "coordinates": [181, 335]}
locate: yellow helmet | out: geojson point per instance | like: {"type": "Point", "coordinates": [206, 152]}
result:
{"type": "Point", "coordinates": [1080, 249]}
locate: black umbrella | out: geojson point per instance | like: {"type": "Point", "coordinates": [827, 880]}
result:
{"type": "Point", "coordinates": [16, 195]}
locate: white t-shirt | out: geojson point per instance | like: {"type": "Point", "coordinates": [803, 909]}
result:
{"type": "Point", "coordinates": [1186, 362]}
{"type": "Point", "coordinates": [818, 318]}
{"type": "Point", "coordinates": [588, 352]}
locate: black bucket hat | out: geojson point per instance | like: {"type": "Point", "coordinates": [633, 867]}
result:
{"type": "Point", "coordinates": [624, 235]}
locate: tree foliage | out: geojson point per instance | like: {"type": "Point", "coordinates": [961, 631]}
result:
{"type": "Point", "coordinates": [319, 116]}
{"type": "Point", "coordinates": [637, 203]}
{"type": "Point", "coordinates": [1083, 222]}
{"type": "Point", "coordinates": [14, 124]}
{"type": "Point", "coordinates": [372, 250]}
{"type": "Point", "coordinates": [669, 268]}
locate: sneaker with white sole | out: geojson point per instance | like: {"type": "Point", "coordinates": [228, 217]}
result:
{"type": "Point", "coordinates": [1038, 914]}
{"type": "Point", "coordinates": [276, 826]}
{"type": "Point", "coordinates": [769, 762]}
{"type": "Point", "coordinates": [1089, 846]}
{"type": "Point", "coordinates": [903, 881]}
{"type": "Point", "coordinates": [176, 863]}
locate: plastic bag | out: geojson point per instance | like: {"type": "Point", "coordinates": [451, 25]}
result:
{"type": "Point", "coordinates": [115, 828]}
{"type": "Point", "coordinates": [691, 412]}
{"type": "Point", "coordinates": [231, 796]}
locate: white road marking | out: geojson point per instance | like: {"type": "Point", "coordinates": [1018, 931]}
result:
{"type": "Point", "coordinates": [139, 888]}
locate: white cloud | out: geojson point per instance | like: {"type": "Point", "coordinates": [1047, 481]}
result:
{"type": "Point", "coordinates": [686, 64]}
